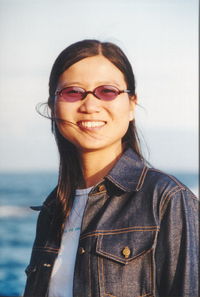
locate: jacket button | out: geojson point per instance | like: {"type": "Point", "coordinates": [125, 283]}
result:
{"type": "Point", "coordinates": [126, 252]}
{"type": "Point", "coordinates": [101, 188]}
{"type": "Point", "coordinates": [81, 251]}
{"type": "Point", "coordinates": [46, 265]}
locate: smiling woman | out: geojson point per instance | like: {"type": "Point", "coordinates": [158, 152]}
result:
{"type": "Point", "coordinates": [113, 226]}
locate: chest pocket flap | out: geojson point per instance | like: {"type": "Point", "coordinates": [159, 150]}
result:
{"type": "Point", "coordinates": [127, 246]}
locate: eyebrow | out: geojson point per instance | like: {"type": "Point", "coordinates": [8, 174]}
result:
{"type": "Point", "coordinates": [68, 84]}
{"type": "Point", "coordinates": [73, 83]}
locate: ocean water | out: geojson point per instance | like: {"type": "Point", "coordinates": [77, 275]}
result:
{"type": "Point", "coordinates": [17, 222]}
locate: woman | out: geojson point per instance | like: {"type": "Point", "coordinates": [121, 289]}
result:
{"type": "Point", "coordinates": [113, 226]}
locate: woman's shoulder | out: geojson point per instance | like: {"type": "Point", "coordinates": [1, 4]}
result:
{"type": "Point", "coordinates": [166, 182]}
{"type": "Point", "coordinates": [160, 176]}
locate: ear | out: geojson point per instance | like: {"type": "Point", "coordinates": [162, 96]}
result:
{"type": "Point", "coordinates": [133, 102]}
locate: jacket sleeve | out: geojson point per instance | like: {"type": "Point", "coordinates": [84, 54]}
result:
{"type": "Point", "coordinates": [177, 250]}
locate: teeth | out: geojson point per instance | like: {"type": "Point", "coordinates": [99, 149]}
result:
{"type": "Point", "coordinates": [92, 124]}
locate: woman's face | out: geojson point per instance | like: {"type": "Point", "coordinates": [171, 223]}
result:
{"type": "Point", "coordinates": [93, 124]}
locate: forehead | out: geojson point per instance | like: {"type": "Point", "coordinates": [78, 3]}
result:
{"type": "Point", "coordinates": [92, 70]}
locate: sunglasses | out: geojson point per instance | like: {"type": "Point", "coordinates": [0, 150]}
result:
{"type": "Point", "coordinates": [73, 94]}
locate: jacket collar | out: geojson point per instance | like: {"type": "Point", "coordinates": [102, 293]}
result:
{"type": "Point", "coordinates": [129, 172]}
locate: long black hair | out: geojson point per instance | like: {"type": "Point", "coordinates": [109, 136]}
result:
{"type": "Point", "coordinates": [70, 173]}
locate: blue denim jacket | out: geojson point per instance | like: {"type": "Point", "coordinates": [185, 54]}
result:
{"type": "Point", "coordinates": [139, 237]}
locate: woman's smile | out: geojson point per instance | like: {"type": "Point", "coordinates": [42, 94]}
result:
{"type": "Point", "coordinates": [91, 125]}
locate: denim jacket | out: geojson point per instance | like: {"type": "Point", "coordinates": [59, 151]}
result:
{"type": "Point", "coordinates": [139, 237]}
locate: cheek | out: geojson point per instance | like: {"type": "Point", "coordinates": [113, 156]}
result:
{"type": "Point", "coordinates": [64, 119]}
{"type": "Point", "coordinates": [66, 128]}
{"type": "Point", "coordinates": [62, 111]}
{"type": "Point", "coordinates": [123, 112]}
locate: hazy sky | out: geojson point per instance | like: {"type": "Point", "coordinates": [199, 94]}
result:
{"type": "Point", "coordinates": [160, 39]}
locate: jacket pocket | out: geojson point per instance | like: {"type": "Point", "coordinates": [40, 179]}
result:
{"type": "Point", "coordinates": [125, 262]}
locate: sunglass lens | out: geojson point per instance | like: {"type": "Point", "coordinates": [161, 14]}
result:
{"type": "Point", "coordinates": [72, 94]}
{"type": "Point", "coordinates": [106, 92]}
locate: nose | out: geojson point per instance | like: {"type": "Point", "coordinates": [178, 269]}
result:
{"type": "Point", "coordinates": [90, 104]}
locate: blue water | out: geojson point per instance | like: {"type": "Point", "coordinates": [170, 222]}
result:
{"type": "Point", "coordinates": [18, 222]}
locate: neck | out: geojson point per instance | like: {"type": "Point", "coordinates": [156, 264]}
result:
{"type": "Point", "coordinates": [96, 164]}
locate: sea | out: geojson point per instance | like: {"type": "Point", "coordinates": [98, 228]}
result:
{"type": "Point", "coordinates": [19, 191]}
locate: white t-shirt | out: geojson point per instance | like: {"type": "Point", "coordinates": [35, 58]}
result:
{"type": "Point", "coordinates": [61, 282]}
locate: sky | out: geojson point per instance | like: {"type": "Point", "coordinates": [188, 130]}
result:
{"type": "Point", "coordinates": [160, 39]}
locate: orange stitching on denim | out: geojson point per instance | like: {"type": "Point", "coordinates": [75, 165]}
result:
{"type": "Point", "coordinates": [168, 194]}
{"type": "Point", "coordinates": [173, 190]}
{"type": "Point", "coordinates": [116, 258]}
{"type": "Point", "coordinates": [116, 183]}
{"type": "Point", "coordinates": [142, 177]}
{"type": "Point", "coordinates": [155, 227]}
{"type": "Point", "coordinates": [153, 273]}
{"type": "Point", "coordinates": [141, 255]}
{"type": "Point", "coordinates": [103, 279]}
{"type": "Point", "coordinates": [167, 198]}
{"type": "Point", "coordinates": [129, 228]}
{"type": "Point", "coordinates": [46, 247]}
{"type": "Point", "coordinates": [99, 272]}
{"type": "Point", "coordinates": [96, 233]}
{"type": "Point", "coordinates": [47, 251]}
{"type": "Point", "coordinates": [162, 204]}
